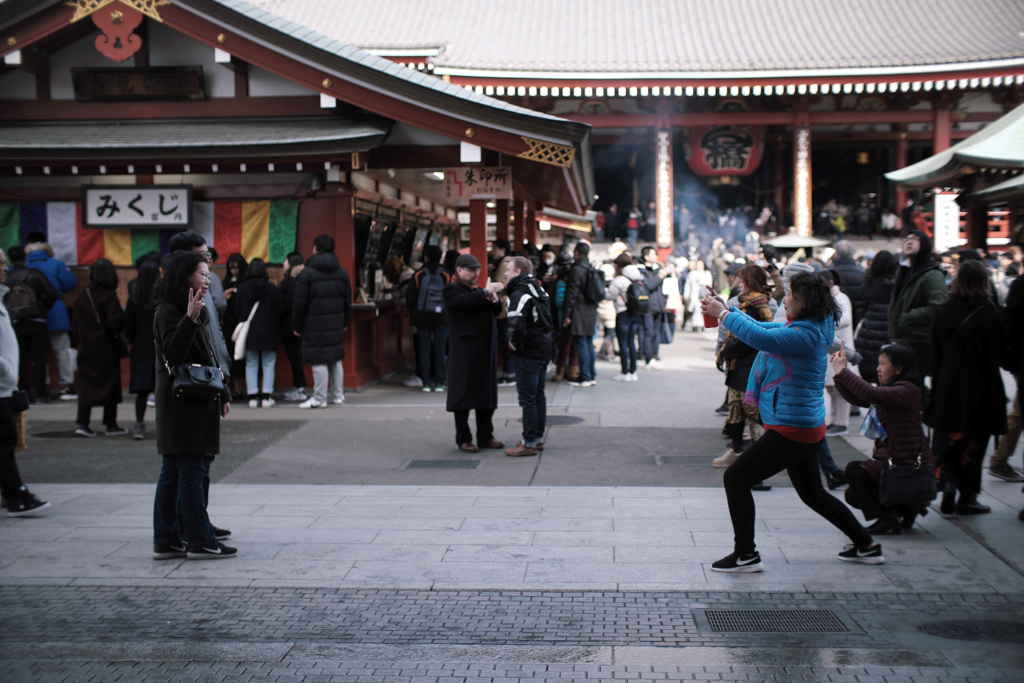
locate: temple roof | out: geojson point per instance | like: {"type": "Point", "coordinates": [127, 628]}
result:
{"type": "Point", "coordinates": [675, 38]}
{"type": "Point", "coordinates": [999, 145]}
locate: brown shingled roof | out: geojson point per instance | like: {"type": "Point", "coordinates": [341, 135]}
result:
{"type": "Point", "coordinates": [673, 36]}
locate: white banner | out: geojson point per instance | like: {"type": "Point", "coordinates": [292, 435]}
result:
{"type": "Point", "coordinates": [126, 206]}
{"type": "Point", "coordinates": [947, 221]}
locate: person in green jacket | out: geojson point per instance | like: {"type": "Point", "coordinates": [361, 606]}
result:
{"type": "Point", "coordinates": [920, 287]}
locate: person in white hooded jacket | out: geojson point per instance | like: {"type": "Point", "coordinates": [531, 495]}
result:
{"type": "Point", "coordinates": [629, 322]}
{"type": "Point", "coordinates": [18, 500]}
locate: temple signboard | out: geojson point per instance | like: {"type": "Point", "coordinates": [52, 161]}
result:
{"type": "Point", "coordinates": [131, 206]}
{"type": "Point", "coordinates": [477, 182]}
{"type": "Point", "coordinates": [725, 150]}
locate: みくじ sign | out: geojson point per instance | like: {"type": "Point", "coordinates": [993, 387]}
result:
{"type": "Point", "coordinates": [134, 206]}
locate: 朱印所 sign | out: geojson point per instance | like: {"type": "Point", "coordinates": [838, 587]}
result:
{"type": "Point", "coordinates": [477, 182]}
{"type": "Point", "coordinates": [130, 206]}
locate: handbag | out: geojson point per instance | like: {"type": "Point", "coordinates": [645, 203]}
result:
{"type": "Point", "coordinates": [117, 342]}
{"type": "Point", "coordinates": [871, 426]}
{"type": "Point", "coordinates": [241, 333]}
{"type": "Point", "coordinates": [906, 484]}
{"type": "Point", "coordinates": [193, 382]}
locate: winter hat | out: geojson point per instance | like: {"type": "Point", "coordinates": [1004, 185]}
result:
{"type": "Point", "coordinates": [632, 273]}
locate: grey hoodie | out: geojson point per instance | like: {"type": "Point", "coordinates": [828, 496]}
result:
{"type": "Point", "coordinates": [8, 350]}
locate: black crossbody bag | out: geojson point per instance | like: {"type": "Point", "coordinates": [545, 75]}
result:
{"type": "Point", "coordinates": [197, 383]}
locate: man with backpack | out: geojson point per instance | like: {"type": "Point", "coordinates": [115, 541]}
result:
{"type": "Point", "coordinates": [653, 275]}
{"type": "Point", "coordinates": [629, 293]}
{"type": "Point", "coordinates": [531, 331]}
{"type": "Point", "coordinates": [425, 301]}
{"type": "Point", "coordinates": [30, 297]}
{"type": "Point", "coordinates": [586, 289]}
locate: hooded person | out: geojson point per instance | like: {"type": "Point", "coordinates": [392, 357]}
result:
{"type": "Point", "coordinates": [920, 287]}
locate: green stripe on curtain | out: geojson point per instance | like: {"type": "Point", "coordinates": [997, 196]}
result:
{"type": "Point", "coordinates": [10, 225]}
{"type": "Point", "coordinates": [144, 241]}
{"type": "Point", "coordinates": [284, 225]}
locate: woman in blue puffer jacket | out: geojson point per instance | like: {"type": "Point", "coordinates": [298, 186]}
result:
{"type": "Point", "coordinates": [787, 382]}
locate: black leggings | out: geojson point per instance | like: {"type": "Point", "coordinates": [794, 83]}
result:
{"type": "Point", "coordinates": [771, 454]}
{"type": "Point", "coordinates": [140, 406]}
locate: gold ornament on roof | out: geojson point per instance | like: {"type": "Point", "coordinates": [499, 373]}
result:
{"type": "Point", "coordinates": [85, 8]}
{"type": "Point", "coordinates": [548, 152]}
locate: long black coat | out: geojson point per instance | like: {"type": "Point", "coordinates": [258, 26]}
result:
{"type": "Point", "coordinates": [582, 312]}
{"type": "Point", "coordinates": [99, 367]}
{"type": "Point", "coordinates": [472, 349]}
{"type": "Point", "coordinates": [138, 330]}
{"type": "Point", "coordinates": [265, 329]}
{"type": "Point", "coordinates": [321, 307]}
{"type": "Point", "coordinates": [851, 283]}
{"type": "Point", "coordinates": [874, 327]}
{"type": "Point", "coordinates": [183, 427]}
{"type": "Point", "coordinates": [967, 388]}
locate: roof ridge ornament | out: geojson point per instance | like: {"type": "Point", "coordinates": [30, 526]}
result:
{"type": "Point", "coordinates": [548, 152]}
{"type": "Point", "coordinates": [85, 8]}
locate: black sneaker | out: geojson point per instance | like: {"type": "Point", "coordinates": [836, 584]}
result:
{"type": "Point", "coordinates": [761, 486]}
{"type": "Point", "coordinates": [25, 505]}
{"type": "Point", "coordinates": [219, 533]}
{"type": "Point", "coordinates": [169, 551]}
{"type": "Point", "coordinates": [734, 563]}
{"type": "Point", "coordinates": [84, 431]}
{"type": "Point", "coordinates": [115, 430]}
{"type": "Point", "coordinates": [870, 555]}
{"type": "Point", "coordinates": [220, 552]}
{"type": "Point", "coordinates": [1006, 473]}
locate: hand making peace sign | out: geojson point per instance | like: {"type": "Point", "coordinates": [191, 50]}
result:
{"type": "Point", "coordinates": [195, 304]}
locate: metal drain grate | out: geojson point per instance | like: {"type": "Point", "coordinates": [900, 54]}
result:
{"type": "Point", "coordinates": [443, 465]}
{"type": "Point", "coordinates": [775, 621]}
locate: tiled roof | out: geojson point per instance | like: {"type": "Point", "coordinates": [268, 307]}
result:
{"type": "Point", "coordinates": [673, 36]}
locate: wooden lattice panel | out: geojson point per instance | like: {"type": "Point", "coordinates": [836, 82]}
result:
{"type": "Point", "coordinates": [548, 152]}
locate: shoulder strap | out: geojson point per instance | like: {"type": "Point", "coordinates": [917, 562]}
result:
{"type": "Point", "coordinates": [93, 304]}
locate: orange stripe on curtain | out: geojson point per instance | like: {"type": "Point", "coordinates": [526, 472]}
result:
{"type": "Point", "coordinates": [255, 230]}
{"type": "Point", "coordinates": [117, 246]}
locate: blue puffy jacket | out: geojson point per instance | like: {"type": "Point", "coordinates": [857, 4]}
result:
{"type": "Point", "coordinates": [60, 277]}
{"type": "Point", "coordinates": [787, 380]}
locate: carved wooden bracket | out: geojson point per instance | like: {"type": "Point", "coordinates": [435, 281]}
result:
{"type": "Point", "coordinates": [117, 23]}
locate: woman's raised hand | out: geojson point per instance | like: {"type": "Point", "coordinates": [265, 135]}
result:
{"type": "Point", "coordinates": [195, 304]}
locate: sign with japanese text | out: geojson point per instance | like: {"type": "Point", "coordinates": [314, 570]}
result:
{"type": "Point", "coordinates": [477, 182]}
{"type": "Point", "coordinates": [725, 150]}
{"type": "Point", "coordinates": [134, 206]}
{"type": "Point", "coordinates": [947, 221]}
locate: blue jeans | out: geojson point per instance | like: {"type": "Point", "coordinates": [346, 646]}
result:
{"type": "Point", "coordinates": [530, 374]}
{"type": "Point", "coordinates": [588, 357]}
{"type": "Point", "coordinates": [628, 326]}
{"type": "Point", "coordinates": [431, 350]}
{"type": "Point", "coordinates": [254, 362]}
{"type": "Point", "coordinates": [179, 509]}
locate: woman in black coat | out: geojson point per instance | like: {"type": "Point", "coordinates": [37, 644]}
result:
{"type": "Point", "coordinates": [472, 355]}
{"type": "Point", "coordinates": [236, 269]}
{"type": "Point", "coordinates": [968, 402]}
{"type": "Point", "coordinates": [873, 332]}
{"type": "Point", "coordinates": [264, 332]}
{"type": "Point", "coordinates": [138, 330]}
{"type": "Point", "coordinates": [188, 431]}
{"type": "Point", "coordinates": [98, 322]}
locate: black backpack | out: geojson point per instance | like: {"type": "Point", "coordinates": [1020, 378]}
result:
{"type": "Point", "coordinates": [21, 302]}
{"type": "Point", "coordinates": [430, 298]}
{"type": "Point", "coordinates": [638, 298]}
{"type": "Point", "coordinates": [540, 316]}
{"type": "Point", "coordinates": [653, 283]}
{"type": "Point", "coordinates": [594, 289]}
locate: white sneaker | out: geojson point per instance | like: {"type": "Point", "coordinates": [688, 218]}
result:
{"type": "Point", "coordinates": [656, 364]}
{"type": "Point", "coordinates": [296, 395]}
{"type": "Point", "coordinates": [268, 403]}
{"type": "Point", "coordinates": [633, 377]}
{"type": "Point", "coordinates": [312, 402]}
{"type": "Point", "coordinates": [624, 377]}
{"type": "Point", "coordinates": [413, 382]}
{"type": "Point", "coordinates": [725, 459]}
{"type": "Point", "coordinates": [339, 401]}
{"type": "Point", "coordinates": [253, 403]}
{"type": "Point", "coordinates": [151, 401]}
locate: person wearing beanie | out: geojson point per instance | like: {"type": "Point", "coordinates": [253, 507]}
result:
{"type": "Point", "coordinates": [788, 273]}
{"type": "Point", "coordinates": [920, 287]}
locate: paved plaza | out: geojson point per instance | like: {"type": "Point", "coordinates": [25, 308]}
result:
{"type": "Point", "coordinates": [591, 562]}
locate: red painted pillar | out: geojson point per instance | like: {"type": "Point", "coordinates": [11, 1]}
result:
{"type": "Point", "coordinates": [942, 130]}
{"type": "Point", "coordinates": [478, 235]}
{"type": "Point", "coordinates": [531, 226]}
{"type": "Point", "coordinates": [519, 231]}
{"type": "Point", "coordinates": [902, 149]}
{"type": "Point", "coordinates": [501, 225]}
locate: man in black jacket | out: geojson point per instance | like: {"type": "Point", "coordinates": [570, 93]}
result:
{"type": "Point", "coordinates": [472, 355]}
{"type": "Point", "coordinates": [425, 301]}
{"type": "Point", "coordinates": [31, 330]}
{"type": "Point", "coordinates": [531, 342]}
{"type": "Point", "coordinates": [581, 314]}
{"type": "Point", "coordinates": [321, 307]}
{"type": "Point", "coordinates": [851, 278]}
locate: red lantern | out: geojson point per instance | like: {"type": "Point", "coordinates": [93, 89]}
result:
{"type": "Point", "coordinates": [725, 150]}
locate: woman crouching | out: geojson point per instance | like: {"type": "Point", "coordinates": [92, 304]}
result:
{"type": "Point", "coordinates": [897, 402]}
{"type": "Point", "coordinates": [188, 431]}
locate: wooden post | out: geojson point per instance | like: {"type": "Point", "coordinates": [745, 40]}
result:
{"type": "Point", "coordinates": [531, 225]}
{"type": "Point", "coordinates": [977, 225]}
{"type": "Point", "coordinates": [518, 228]}
{"type": "Point", "coordinates": [902, 149]}
{"type": "Point", "coordinates": [942, 129]}
{"type": "Point", "coordinates": [501, 224]}
{"type": "Point", "coordinates": [478, 235]}
{"type": "Point", "coordinates": [802, 180]}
